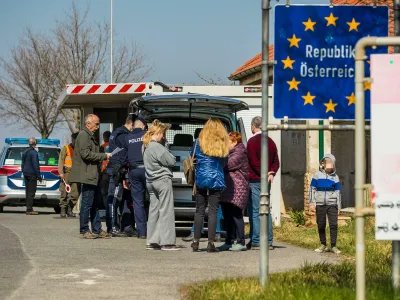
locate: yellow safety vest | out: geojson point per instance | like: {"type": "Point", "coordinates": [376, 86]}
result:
{"type": "Point", "coordinates": [68, 156]}
{"type": "Point", "coordinates": [104, 163]}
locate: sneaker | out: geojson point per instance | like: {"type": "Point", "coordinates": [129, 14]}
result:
{"type": "Point", "coordinates": [336, 250]}
{"type": "Point", "coordinates": [321, 249]}
{"type": "Point", "coordinates": [88, 235]}
{"type": "Point", "coordinates": [189, 238]}
{"type": "Point", "coordinates": [104, 235]}
{"type": "Point", "coordinates": [32, 213]}
{"type": "Point", "coordinates": [254, 247]}
{"type": "Point", "coordinates": [225, 247]}
{"type": "Point", "coordinates": [153, 247]}
{"type": "Point", "coordinates": [238, 247]}
{"type": "Point", "coordinates": [271, 247]}
{"type": "Point", "coordinates": [170, 248]}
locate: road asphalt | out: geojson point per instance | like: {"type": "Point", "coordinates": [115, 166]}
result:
{"type": "Point", "coordinates": [44, 258]}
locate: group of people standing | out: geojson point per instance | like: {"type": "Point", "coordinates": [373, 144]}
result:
{"type": "Point", "coordinates": [135, 159]}
{"type": "Point", "coordinates": [229, 174]}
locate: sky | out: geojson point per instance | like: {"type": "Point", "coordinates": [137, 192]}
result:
{"type": "Point", "coordinates": [180, 37]}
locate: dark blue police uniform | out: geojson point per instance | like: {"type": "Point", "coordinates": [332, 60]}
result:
{"type": "Point", "coordinates": [137, 178]}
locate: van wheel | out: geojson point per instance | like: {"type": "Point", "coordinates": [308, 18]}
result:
{"type": "Point", "coordinates": [57, 209]}
{"type": "Point", "coordinates": [1, 208]}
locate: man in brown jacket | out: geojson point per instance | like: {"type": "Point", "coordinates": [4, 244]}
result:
{"type": "Point", "coordinates": [68, 199]}
{"type": "Point", "coordinates": [85, 170]}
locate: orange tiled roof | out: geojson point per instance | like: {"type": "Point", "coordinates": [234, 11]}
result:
{"type": "Point", "coordinates": [252, 63]}
{"type": "Point", "coordinates": [256, 60]}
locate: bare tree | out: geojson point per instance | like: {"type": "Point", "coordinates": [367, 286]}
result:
{"type": "Point", "coordinates": [214, 81]}
{"type": "Point", "coordinates": [40, 67]}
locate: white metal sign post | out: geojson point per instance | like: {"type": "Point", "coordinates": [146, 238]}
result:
{"type": "Point", "coordinates": [385, 146]}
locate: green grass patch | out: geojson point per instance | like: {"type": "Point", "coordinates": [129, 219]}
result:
{"type": "Point", "coordinates": [318, 281]}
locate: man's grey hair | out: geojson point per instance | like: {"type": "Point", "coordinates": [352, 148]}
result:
{"type": "Point", "coordinates": [89, 118]}
{"type": "Point", "coordinates": [32, 141]}
{"type": "Point", "coordinates": [256, 122]}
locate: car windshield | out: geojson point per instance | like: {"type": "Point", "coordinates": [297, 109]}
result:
{"type": "Point", "coordinates": [47, 156]}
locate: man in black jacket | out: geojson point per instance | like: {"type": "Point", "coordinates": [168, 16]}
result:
{"type": "Point", "coordinates": [31, 170]}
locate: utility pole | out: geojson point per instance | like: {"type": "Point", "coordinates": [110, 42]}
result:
{"type": "Point", "coordinates": [264, 196]}
{"type": "Point", "coordinates": [396, 244]}
{"type": "Point", "coordinates": [111, 44]}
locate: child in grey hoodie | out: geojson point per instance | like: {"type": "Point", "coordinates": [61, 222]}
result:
{"type": "Point", "coordinates": [325, 195]}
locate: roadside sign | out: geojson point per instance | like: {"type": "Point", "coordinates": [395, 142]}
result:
{"type": "Point", "coordinates": [314, 54]}
{"type": "Point", "coordinates": [385, 147]}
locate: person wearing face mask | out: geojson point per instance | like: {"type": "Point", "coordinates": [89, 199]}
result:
{"type": "Point", "coordinates": [31, 170]}
{"type": "Point", "coordinates": [158, 162]}
{"type": "Point", "coordinates": [325, 198]}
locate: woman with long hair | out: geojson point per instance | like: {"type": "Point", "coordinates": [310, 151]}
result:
{"type": "Point", "coordinates": [158, 162]}
{"type": "Point", "coordinates": [236, 195]}
{"type": "Point", "coordinates": [211, 150]}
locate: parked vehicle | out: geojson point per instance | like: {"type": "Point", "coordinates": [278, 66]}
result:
{"type": "Point", "coordinates": [186, 114]}
{"type": "Point", "coordinates": [12, 183]}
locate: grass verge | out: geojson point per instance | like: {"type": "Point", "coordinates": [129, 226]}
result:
{"type": "Point", "coordinates": [319, 281]}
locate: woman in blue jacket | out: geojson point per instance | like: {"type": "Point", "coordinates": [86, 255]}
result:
{"type": "Point", "coordinates": [211, 150]}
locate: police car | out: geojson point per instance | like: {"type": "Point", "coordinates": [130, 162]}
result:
{"type": "Point", "coordinates": [12, 183]}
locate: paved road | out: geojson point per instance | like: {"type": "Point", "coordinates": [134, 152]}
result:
{"type": "Point", "coordinates": [43, 258]}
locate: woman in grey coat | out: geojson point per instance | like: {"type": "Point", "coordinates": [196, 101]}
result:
{"type": "Point", "coordinates": [158, 162]}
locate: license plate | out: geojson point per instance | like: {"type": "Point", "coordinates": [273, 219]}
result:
{"type": "Point", "coordinates": [43, 183]}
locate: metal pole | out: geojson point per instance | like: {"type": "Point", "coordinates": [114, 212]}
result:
{"type": "Point", "coordinates": [264, 197]}
{"type": "Point", "coordinates": [360, 154]}
{"type": "Point", "coordinates": [396, 244]}
{"type": "Point", "coordinates": [360, 172]}
{"type": "Point", "coordinates": [111, 45]}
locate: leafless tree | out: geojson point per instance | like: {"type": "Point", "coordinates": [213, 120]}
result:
{"type": "Point", "coordinates": [214, 81]}
{"type": "Point", "coordinates": [40, 67]}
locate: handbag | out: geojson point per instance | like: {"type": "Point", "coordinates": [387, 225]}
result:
{"type": "Point", "coordinates": [189, 167]}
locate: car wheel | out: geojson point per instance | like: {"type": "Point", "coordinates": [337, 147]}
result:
{"type": "Point", "coordinates": [57, 209]}
{"type": "Point", "coordinates": [1, 208]}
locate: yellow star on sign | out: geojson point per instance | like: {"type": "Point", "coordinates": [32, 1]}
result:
{"type": "Point", "coordinates": [309, 25]}
{"type": "Point", "coordinates": [331, 20]}
{"type": "Point", "coordinates": [293, 84]}
{"type": "Point", "coordinates": [288, 63]}
{"type": "Point", "coordinates": [353, 25]}
{"type": "Point", "coordinates": [352, 99]}
{"type": "Point", "coordinates": [330, 106]}
{"type": "Point", "coordinates": [308, 99]}
{"type": "Point", "coordinates": [367, 85]}
{"type": "Point", "coordinates": [294, 41]}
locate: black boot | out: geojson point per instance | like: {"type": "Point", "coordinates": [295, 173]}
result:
{"type": "Point", "coordinates": [195, 246]}
{"type": "Point", "coordinates": [63, 212]}
{"type": "Point", "coordinates": [70, 214]}
{"type": "Point", "coordinates": [211, 248]}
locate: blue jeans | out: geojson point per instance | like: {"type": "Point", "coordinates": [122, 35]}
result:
{"type": "Point", "coordinates": [91, 194]}
{"type": "Point", "coordinates": [219, 218]}
{"type": "Point", "coordinates": [253, 210]}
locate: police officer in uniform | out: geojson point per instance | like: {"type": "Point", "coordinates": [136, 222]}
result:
{"type": "Point", "coordinates": [137, 174]}
{"type": "Point", "coordinates": [117, 161]}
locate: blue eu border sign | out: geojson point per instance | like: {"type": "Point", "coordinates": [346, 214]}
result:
{"type": "Point", "coordinates": [314, 51]}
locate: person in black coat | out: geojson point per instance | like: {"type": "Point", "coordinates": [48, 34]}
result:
{"type": "Point", "coordinates": [31, 170]}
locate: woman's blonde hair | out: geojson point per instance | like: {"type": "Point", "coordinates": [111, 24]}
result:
{"type": "Point", "coordinates": [214, 139]}
{"type": "Point", "coordinates": [155, 128]}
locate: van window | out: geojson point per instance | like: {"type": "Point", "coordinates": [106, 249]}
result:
{"type": "Point", "coordinates": [47, 156]}
{"type": "Point", "coordinates": [183, 135]}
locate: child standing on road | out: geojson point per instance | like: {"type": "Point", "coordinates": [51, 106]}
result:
{"type": "Point", "coordinates": [325, 197]}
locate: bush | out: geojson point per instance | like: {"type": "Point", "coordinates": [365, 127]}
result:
{"type": "Point", "coordinates": [298, 217]}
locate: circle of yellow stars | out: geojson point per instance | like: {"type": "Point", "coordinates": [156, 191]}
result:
{"type": "Point", "coordinates": [288, 62]}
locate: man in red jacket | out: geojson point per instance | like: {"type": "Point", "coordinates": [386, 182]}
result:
{"type": "Point", "coordinates": [254, 156]}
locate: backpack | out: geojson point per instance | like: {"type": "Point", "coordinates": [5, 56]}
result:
{"type": "Point", "coordinates": [189, 167]}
